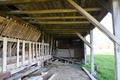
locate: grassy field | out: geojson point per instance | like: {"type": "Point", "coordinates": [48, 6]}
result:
{"type": "Point", "coordinates": [105, 66]}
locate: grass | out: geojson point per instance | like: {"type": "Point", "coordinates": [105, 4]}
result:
{"type": "Point", "coordinates": [105, 66]}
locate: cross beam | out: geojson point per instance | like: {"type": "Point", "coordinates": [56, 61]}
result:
{"type": "Point", "coordinates": [57, 17]}
{"type": "Point", "coordinates": [6, 2]}
{"type": "Point", "coordinates": [94, 21]}
{"type": "Point", "coordinates": [61, 22]}
{"type": "Point", "coordinates": [49, 11]}
{"type": "Point", "coordinates": [83, 39]}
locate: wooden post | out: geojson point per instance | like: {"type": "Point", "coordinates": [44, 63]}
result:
{"type": "Point", "coordinates": [45, 50]}
{"type": "Point", "coordinates": [30, 54]}
{"type": "Point", "coordinates": [85, 54]}
{"type": "Point", "coordinates": [23, 52]}
{"type": "Point", "coordinates": [91, 53]}
{"type": "Point", "coordinates": [18, 49]}
{"type": "Point", "coordinates": [116, 22]}
{"type": "Point", "coordinates": [36, 50]}
{"type": "Point", "coordinates": [39, 51]}
{"type": "Point", "coordinates": [33, 51]}
{"type": "Point", "coordinates": [10, 50]}
{"type": "Point", "coordinates": [4, 63]}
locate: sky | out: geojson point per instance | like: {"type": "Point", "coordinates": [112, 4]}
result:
{"type": "Point", "coordinates": [101, 41]}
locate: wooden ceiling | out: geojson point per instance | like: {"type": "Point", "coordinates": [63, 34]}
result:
{"type": "Point", "coordinates": [55, 17]}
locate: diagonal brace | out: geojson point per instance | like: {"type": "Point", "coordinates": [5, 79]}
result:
{"type": "Point", "coordinates": [83, 39]}
{"type": "Point", "coordinates": [94, 22]}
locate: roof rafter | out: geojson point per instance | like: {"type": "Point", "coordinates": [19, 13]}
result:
{"type": "Point", "coordinates": [55, 17]}
{"type": "Point", "coordinates": [48, 11]}
{"type": "Point", "coordinates": [6, 2]}
{"type": "Point", "coordinates": [60, 22]}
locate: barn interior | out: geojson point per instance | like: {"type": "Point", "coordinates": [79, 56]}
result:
{"type": "Point", "coordinates": [37, 32]}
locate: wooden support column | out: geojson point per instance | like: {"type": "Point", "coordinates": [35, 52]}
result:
{"type": "Point", "coordinates": [10, 49]}
{"type": "Point", "coordinates": [45, 50]}
{"type": "Point", "coordinates": [18, 49]}
{"type": "Point", "coordinates": [94, 21]}
{"type": "Point", "coordinates": [116, 22]}
{"type": "Point", "coordinates": [33, 51]}
{"type": "Point", "coordinates": [85, 54]}
{"type": "Point", "coordinates": [30, 54]}
{"type": "Point", "coordinates": [91, 53]}
{"type": "Point", "coordinates": [23, 52]}
{"type": "Point", "coordinates": [36, 50]}
{"type": "Point", "coordinates": [4, 63]}
{"type": "Point", "coordinates": [39, 49]}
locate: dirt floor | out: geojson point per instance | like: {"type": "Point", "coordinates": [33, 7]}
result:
{"type": "Point", "coordinates": [63, 71]}
{"type": "Point", "coordinates": [59, 71]}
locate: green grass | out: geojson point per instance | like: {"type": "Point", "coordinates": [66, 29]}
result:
{"type": "Point", "coordinates": [105, 66]}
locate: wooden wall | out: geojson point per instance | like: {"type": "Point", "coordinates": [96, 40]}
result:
{"type": "Point", "coordinates": [17, 29]}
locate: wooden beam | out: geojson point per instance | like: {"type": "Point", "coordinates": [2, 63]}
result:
{"type": "Point", "coordinates": [30, 53]}
{"type": "Point", "coordinates": [85, 54]}
{"type": "Point", "coordinates": [4, 61]}
{"type": "Point", "coordinates": [64, 32]}
{"type": "Point", "coordinates": [33, 51]}
{"type": "Point", "coordinates": [8, 2]}
{"type": "Point", "coordinates": [62, 29]}
{"type": "Point", "coordinates": [49, 11]}
{"type": "Point", "coordinates": [116, 28]}
{"type": "Point", "coordinates": [94, 21]}
{"type": "Point", "coordinates": [56, 17]}
{"type": "Point", "coordinates": [60, 22]}
{"type": "Point", "coordinates": [83, 39]}
{"type": "Point", "coordinates": [18, 50]}
{"type": "Point", "coordinates": [91, 53]}
{"type": "Point", "coordinates": [23, 52]}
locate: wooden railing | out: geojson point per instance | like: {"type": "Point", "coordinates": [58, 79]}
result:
{"type": "Point", "coordinates": [25, 53]}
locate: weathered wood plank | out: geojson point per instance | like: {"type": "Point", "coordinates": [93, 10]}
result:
{"type": "Point", "coordinates": [61, 22]}
{"type": "Point", "coordinates": [4, 61]}
{"type": "Point", "coordinates": [18, 56]}
{"type": "Point", "coordinates": [6, 2]}
{"type": "Point", "coordinates": [91, 53]}
{"type": "Point", "coordinates": [56, 17]}
{"type": "Point", "coordinates": [49, 11]}
{"type": "Point", "coordinates": [116, 28]}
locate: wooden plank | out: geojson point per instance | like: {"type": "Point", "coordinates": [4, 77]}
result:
{"type": "Point", "coordinates": [4, 61]}
{"type": "Point", "coordinates": [33, 51]}
{"type": "Point", "coordinates": [91, 77]}
{"type": "Point", "coordinates": [56, 17]}
{"type": "Point", "coordinates": [36, 50]}
{"type": "Point", "coordinates": [85, 54]}
{"type": "Point", "coordinates": [61, 22]}
{"type": "Point", "coordinates": [30, 54]}
{"type": "Point", "coordinates": [18, 56]}
{"type": "Point", "coordinates": [8, 2]}
{"type": "Point", "coordinates": [66, 29]}
{"type": "Point", "coordinates": [116, 28]}
{"type": "Point", "coordinates": [83, 39]}
{"type": "Point", "coordinates": [91, 53]}
{"type": "Point", "coordinates": [94, 21]}
{"type": "Point", "coordinates": [49, 11]}
{"type": "Point", "coordinates": [23, 52]}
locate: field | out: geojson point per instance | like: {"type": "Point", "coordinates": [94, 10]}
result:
{"type": "Point", "coordinates": [105, 66]}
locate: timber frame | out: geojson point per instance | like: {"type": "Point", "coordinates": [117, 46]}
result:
{"type": "Point", "coordinates": [48, 20]}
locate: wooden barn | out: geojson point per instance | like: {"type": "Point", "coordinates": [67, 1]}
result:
{"type": "Point", "coordinates": [35, 33]}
